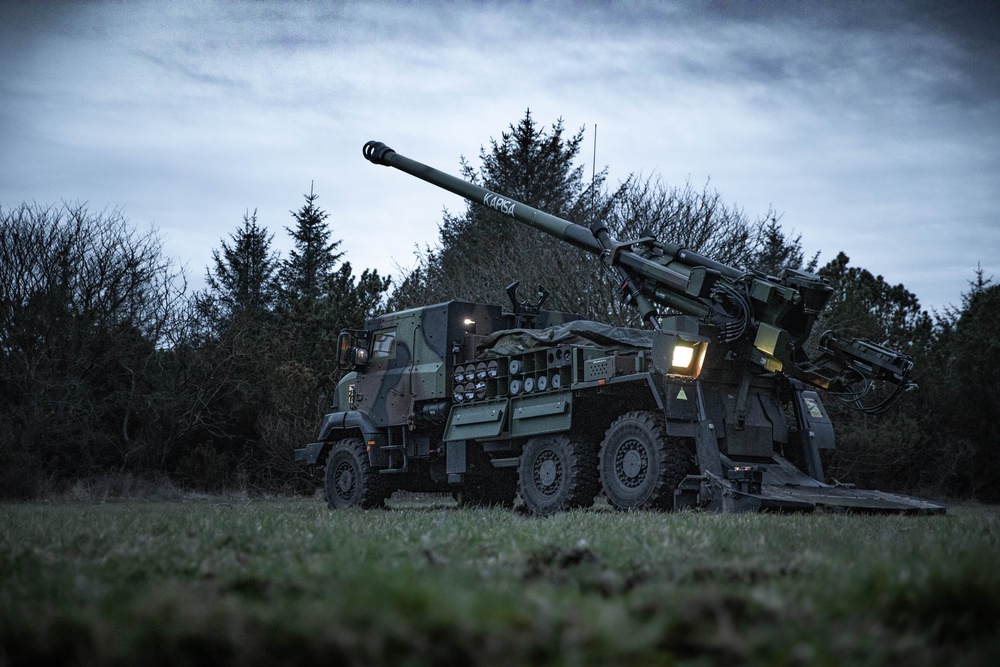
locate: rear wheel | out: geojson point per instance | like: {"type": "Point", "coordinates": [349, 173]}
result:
{"type": "Point", "coordinates": [641, 466]}
{"type": "Point", "coordinates": [557, 473]}
{"type": "Point", "coordinates": [350, 480]}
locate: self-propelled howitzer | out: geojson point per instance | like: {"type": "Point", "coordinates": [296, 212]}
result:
{"type": "Point", "coordinates": [713, 405]}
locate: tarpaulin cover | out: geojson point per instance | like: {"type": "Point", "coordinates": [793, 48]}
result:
{"type": "Point", "coordinates": [580, 332]}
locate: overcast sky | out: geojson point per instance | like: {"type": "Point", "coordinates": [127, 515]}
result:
{"type": "Point", "coordinates": [873, 127]}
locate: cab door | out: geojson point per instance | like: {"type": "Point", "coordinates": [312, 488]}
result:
{"type": "Point", "coordinates": [382, 391]}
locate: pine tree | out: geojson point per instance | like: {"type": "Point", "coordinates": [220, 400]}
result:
{"type": "Point", "coordinates": [779, 252]}
{"type": "Point", "coordinates": [305, 273]}
{"type": "Point", "coordinates": [889, 451]}
{"type": "Point", "coordinates": [318, 298]}
{"type": "Point", "coordinates": [866, 305]}
{"type": "Point", "coordinates": [481, 251]}
{"type": "Point", "coordinates": [266, 362]}
{"type": "Point", "coordinates": [243, 281]}
{"type": "Point", "coordinates": [971, 408]}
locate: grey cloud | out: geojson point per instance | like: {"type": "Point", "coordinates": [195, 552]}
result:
{"type": "Point", "coordinates": [191, 73]}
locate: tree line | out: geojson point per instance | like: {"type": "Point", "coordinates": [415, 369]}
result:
{"type": "Point", "coordinates": [109, 365]}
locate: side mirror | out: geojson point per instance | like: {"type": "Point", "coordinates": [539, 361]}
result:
{"type": "Point", "coordinates": [352, 350]}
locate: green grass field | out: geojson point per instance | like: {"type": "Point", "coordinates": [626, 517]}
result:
{"type": "Point", "coordinates": [288, 581]}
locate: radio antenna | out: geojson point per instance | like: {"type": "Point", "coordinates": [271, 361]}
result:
{"type": "Point", "coordinates": [593, 180]}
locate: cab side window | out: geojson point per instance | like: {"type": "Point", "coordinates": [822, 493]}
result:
{"type": "Point", "coordinates": [384, 344]}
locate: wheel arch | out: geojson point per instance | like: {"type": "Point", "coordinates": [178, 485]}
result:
{"type": "Point", "coordinates": [352, 424]}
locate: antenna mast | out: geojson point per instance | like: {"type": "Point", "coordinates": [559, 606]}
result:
{"type": "Point", "coordinates": [593, 179]}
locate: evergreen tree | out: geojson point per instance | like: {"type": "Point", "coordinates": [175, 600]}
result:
{"type": "Point", "coordinates": [263, 381]}
{"type": "Point", "coordinates": [970, 375]}
{"type": "Point", "coordinates": [304, 275]}
{"type": "Point", "coordinates": [866, 305]}
{"type": "Point", "coordinates": [891, 451]}
{"type": "Point", "coordinates": [481, 251]}
{"type": "Point", "coordinates": [778, 251]}
{"type": "Point", "coordinates": [352, 301]}
{"type": "Point", "coordinates": [243, 281]}
{"type": "Point", "coordinates": [231, 368]}
{"type": "Point", "coordinates": [318, 298]}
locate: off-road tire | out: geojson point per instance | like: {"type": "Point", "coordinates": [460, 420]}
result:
{"type": "Point", "coordinates": [640, 466]}
{"type": "Point", "coordinates": [350, 481]}
{"type": "Point", "coordinates": [557, 473]}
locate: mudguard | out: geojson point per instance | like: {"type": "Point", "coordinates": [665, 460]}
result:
{"type": "Point", "coordinates": [335, 426]}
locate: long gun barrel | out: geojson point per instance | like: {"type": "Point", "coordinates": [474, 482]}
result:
{"type": "Point", "coordinates": [683, 288]}
{"type": "Point", "coordinates": [577, 235]}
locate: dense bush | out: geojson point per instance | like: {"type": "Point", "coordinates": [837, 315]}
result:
{"type": "Point", "coordinates": [88, 306]}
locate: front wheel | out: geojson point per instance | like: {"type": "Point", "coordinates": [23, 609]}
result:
{"type": "Point", "coordinates": [640, 465]}
{"type": "Point", "coordinates": [350, 480]}
{"type": "Point", "coordinates": [556, 474]}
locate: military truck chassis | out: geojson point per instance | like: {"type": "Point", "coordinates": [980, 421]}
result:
{"type": "Point", "coordinates": [560, 423]}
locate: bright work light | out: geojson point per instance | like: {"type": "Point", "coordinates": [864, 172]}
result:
{"type": "Point", "coordinates": [682, 356]}
{"type": "Point", "coordinates": [679, 348]}
{"type": "Point", "coordinates": [687, 358]}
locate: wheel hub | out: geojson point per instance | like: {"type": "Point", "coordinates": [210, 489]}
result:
{"type": "Point", "coordinates": [547, 473]}
{"type": "Point", "coordinates": [631, 463]}
{"type": "Point", "coordinates": [345, 480]}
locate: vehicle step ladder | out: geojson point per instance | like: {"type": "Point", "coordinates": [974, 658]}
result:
{"type": "Point", "coordinates": [398, 461]}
